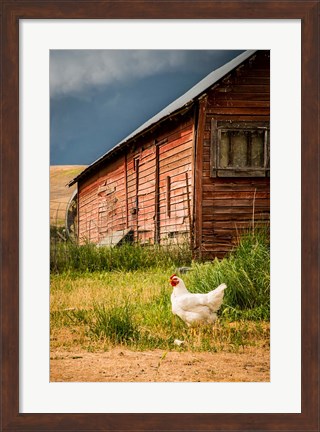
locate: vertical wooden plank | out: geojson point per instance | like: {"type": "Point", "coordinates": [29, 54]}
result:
{"type": "Point", "coordinates": [249, 149]}
{"type": "Point", "coordinates": [193, 162]}
{"type": "Point", "coordinates": [168, 187]}
{"type": "Point", "coordinates": [230, 149]}
{"type": "Point", "coordinates": [126, 188]}
{"type": "Point", "coordinates": [189, 210]}
{"type": "Point", "coordinates": [213, 148]}
{"type": "Point", "coordinates": [78, 212]}
{"type": "Point", "coordinates": [198, 174]}
{"type": "Point", "coordinates": [136, 166]}
{"type": "Point", "coordinates": [157, 198]}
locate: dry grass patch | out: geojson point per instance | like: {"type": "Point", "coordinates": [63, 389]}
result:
{"type": "Point", "coordinates": [60, 193]}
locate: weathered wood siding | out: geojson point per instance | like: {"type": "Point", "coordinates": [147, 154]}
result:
{"type": "Point", "coordinates": [148, 189]}
{"type": "Point", "coordinates": [141, 190]}
{"type": "Point", "coordinates": [231, 204]}
{"type": "Point", "coordinates": [175, 184]}
{"type": "Point", "coordinates": [101, 202]}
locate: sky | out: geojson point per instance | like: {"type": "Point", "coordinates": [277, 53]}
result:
{"type": "Point", "coordinates": [98, 97]}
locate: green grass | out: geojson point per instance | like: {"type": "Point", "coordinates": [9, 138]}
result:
{"type": "Point", "coordinates": [116, 324]}
{"type": "Point", "coordinates": [67, 256]}
{"type": "Point", "coordinates": [121, 296]}
{"type": "Point", "coordinates": [247, 275]}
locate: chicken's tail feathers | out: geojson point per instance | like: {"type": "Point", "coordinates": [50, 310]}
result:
{"type": "Point", "coordinates": [216, 297]}
{"type": "Point", "coordinates": [221, 287]}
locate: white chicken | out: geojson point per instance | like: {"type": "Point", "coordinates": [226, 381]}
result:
{"type": "Point", "coordinates": [195, 309]}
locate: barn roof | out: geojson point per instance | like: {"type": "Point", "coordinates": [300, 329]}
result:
{"type": "Point", "coordinates": [173, 108]}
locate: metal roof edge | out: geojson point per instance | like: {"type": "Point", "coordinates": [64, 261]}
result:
{"type": "Point", "coordinates": [173, 108]}
{"type": "Point", "coordinates": [182, 110]}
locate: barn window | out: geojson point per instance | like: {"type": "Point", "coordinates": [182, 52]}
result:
{"type": "Point", "coordinates": [240, 149]}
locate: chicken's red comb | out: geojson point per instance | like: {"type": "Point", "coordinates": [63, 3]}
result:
{"type": "Point", "coordinates": [173, 276]}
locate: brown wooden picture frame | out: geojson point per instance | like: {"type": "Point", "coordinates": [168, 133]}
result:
{"type": "Point", "coordinates": [11, 12]}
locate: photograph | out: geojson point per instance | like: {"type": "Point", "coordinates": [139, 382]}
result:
{"type": "Point", "coordinates": [160, 215]}
{"type": "Point", "coordinates": [159, 195]}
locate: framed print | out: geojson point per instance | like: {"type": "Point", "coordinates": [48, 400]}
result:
{"type": "Point", "coordinates": [289, 31]}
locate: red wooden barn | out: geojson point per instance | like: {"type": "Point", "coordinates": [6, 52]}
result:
{"type": "Point", "coordinates": [198, 171]}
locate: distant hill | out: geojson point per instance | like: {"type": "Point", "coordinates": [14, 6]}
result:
{"type": "Point", "coordinates": [60, 193]}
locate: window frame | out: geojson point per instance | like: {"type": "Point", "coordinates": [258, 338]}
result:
{"type": "Point", "coordinates": [219, 126]}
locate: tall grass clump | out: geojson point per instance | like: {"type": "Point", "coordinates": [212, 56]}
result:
{"type": "Point", "coordinates": [115, 324]}
{"type": "Point", "coordinates": [147, 326]}
{"type": "Point", "coordinates": [68, 256]}
{"type": "Point", "coordinates": [246, 271]}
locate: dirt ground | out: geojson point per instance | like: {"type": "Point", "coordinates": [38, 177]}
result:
{"type": "Point", "coordinates": [121, 365]}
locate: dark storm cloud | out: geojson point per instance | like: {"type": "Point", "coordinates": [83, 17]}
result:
{"type": "Point", "coordinates": [99, 97]}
